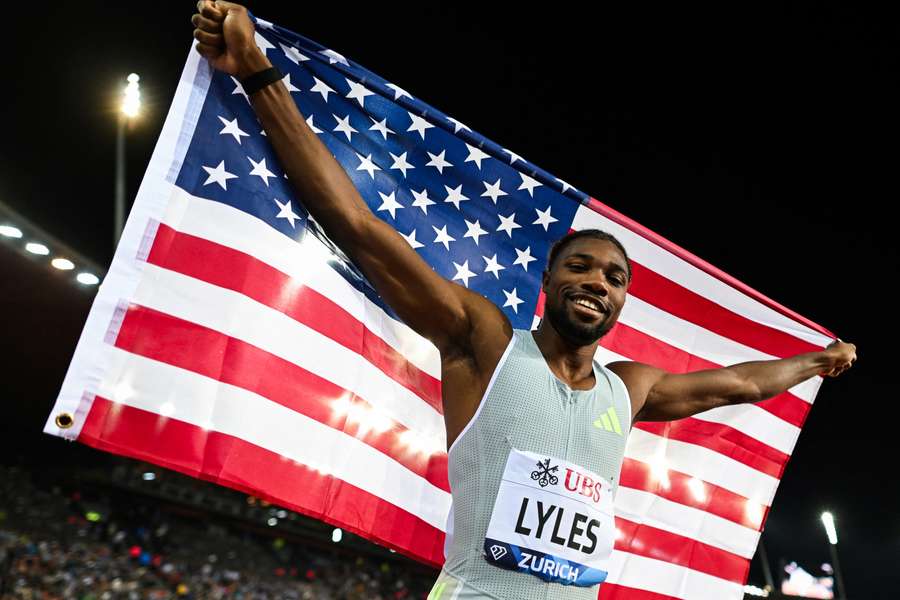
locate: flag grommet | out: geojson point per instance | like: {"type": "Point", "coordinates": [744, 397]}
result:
{"type": "Point", "coordinates": [64, 420]}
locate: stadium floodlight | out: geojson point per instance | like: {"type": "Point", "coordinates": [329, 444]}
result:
{"type": "Point", "coordinates": [87, 278]}
{"type": "Point", "coordinates": [63, 264]}
{"type": "Point", "coordinates": [828, 521]}
{"type": "Point", "coordinates": [272, 522]}
{"type": "Point", "coordinates": [10, 231]}
{"type": "Point", "coordinates": [36, 248]}
{"type": "Point", "coordinates": [337, 535]}
{"type": "Point", "coordinates": [131, 103]}
{"type": "Point", "coordinates": [149, 476]}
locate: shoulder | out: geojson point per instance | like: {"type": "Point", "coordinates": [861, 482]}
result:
{"type": "Point", "coordinates": [639, 379]}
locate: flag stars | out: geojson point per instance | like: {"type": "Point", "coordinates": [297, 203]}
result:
{"type": "Point", "coordinates": [293, 54]}
{"type": "Point", "coordinates": [322, 88]}
{"type": "Point", "coordinates": [419, 124]}
{"type": "Point", "coordinates": [389, 203]}
{"type": "Point", "coordinates": [438, 162]}
{"type": "Point", "coordinates": [454, 195]}
{"type": "Point", "coordinates": [544, 219]}
{"type": "Point", "coordinates": [474, 231]}
{"type": "Point", "coordinates": [264, 44]}
{"type": "Point", "coordinates": [512, 300]}
{"type": "Point", "coordinates": [422, 200]}
{"type": "Point", "coordinates": [463, 273]}
{"type": "Point", "coordinates": [493, 191]}
{"type": "Point", "coordinates": [287, 83]}
{"type": "Point", "coordinates": [401, 165]}
{"type": "Point", "coordinates": [218, 175]}
{"type": "Point", "coordinates": [523, 257]}
{"type": "Point", "coordinates": [344, 126]}
{"type": "Point", "coordinates": [334, 57]}
{"type": "Point", "coordinates": [381, 127]}
{"type": "Point", "coordinates": [442, 237]}
{"type": "Point", "coordinates": [457, 125]}
{"type": "Point", "coordinates": [412, 241]}
{"type": "Point", "coordinates": [239, 89]}
{"type": "Point", "coordinates": [507, 224]}
{"type": "Point", "coordinates": [565, 186]}
{"type": "Point", "coordinates": [493, 266]}
{"type": "Point", "coordinates": [528, 183]}
{"type": "Point", "coordinates": [358, 92]}
{"type": "Point", "coordinates": [231, 128]}
{"type": "Point", "coordinates": [367, 165]}
{"type": "Point", "coordinates": [260, 170]}
{"type": "Point", "coordinates": [309, 121]}
{"type": "Point", "coordinates": [286, 212]}
{"type": "Point", "coordinates": [398, 92]}
{"type": "Point", "coordinates": [476, 155]}
{"type": "Point", "coordinates": [513, 157]}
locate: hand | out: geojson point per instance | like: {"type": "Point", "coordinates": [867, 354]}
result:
{"type": "Point", "coordinates": [225, 36]}
{"type": "Point", "coordinates": [841, 355]}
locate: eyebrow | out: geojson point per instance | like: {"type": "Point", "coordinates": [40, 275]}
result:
{"type": "Point", "coordinates": [590, 258]}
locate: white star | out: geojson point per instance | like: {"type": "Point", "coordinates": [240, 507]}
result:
{"type": "Point", "coordinates": [309, 121]}
{"type": "Point", "coordinates": [390, 204]}
{"type": "Point", "coordinates": [334, 57]}
{"type": "Point", "coordinates": [493, 266]}
{"type": "Point", "coordinates": [262, 42]}
{"type": "Point", "coordinates": [239, 89]}
{"type": "Point", "coordinates": [565, 185]}
{"type": "Point", "coordinates": [322, 88]}
{"type": "Point", "coordinates": [286, 212]}
{"type": "Point", "coordinates": [419, 124]}
{"type": "Point", "coordinates": [401, 164]}
{"type": "Point", "coordinates": [231, 128]}
{"type": "Point", "coordinates": [493, 191]}
{"type": "Point", "coordinates": [264, 24]}
{"type": "Point", "coordinates": [358, 92]}
{"type": "Point", "coordinates": [523, 257]}
{"type": "Point", "coordinates": [528, 184]}
{"type": "Point", "coordinates": [293, 54]}
{"type": "Point", "coordinates": [463, 273]}
{"type": "Point", "coordinates": [437, 161]}
{"type": "Point", "coordinates": [381, 127]}
{"type": "Point", "coordinates": [260, 170]}
{"type": "Point", "coordinates": [474, 230]}
{"type": "Point", "coordinates": [513, 157]}
{"type": "Point", "coordinates": [287, 83]}
{"type": "Point", "coordinates": [476, 155]}
{"type": "Point", "coordinates": [443, 237]}
{"type": "Point", "coordinates": [366, 164]}
{"type": "Point", "coordinates": [398, 92]}
{"type": "Point", "coordinates": [512, 299]}
{"type": "Point", "coordinates": [218, 175]}
{"type": "Point", "coordinates": [507, 224]}
{"type": "Point", "coordinates": [457, 125]}
{"type": "Point", "coordinates": [344, 126]}
{"type": "Point", "coordinates": [412, 241]}
{"type": "Point", "coordinates": [422, 200]}
{"type": "Point", "coordinates": [545, 218]}
{"type": "Point", "coordinates": [454, 195]}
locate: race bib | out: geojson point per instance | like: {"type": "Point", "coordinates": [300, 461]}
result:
{"type": "Point", "coordinates": [552, 519]}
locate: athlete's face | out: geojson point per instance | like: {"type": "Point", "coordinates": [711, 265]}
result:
{"type": "Point", "coordinates": [586, 290]}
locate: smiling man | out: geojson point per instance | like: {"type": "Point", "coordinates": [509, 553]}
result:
{"type": "Point", "coordinates": [536, 426]}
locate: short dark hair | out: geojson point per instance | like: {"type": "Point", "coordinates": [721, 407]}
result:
{"type": "Point", "coordinates": [596, 234]}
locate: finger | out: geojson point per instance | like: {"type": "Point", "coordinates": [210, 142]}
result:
{"type": "Point", "coordinates": [209, 52]}
{"type": "Point", "coordinates": [201, 22]}
{"type": "Point", "coordinates": [210, 39]}
{"type": "Point", "coordinates": [210, 10]}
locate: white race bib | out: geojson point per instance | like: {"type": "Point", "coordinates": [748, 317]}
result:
{"type": "Point", "coordinates": [553, 519]}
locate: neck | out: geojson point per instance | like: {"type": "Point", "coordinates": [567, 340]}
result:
{"type": "Point", "coordinates": [572, 363]}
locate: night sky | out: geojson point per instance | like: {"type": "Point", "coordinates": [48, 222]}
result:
{"type": "Point", "coordinates": [764, 140]}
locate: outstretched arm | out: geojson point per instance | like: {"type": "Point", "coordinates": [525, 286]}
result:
{"type": "Point", "coordinates": [657, 395]}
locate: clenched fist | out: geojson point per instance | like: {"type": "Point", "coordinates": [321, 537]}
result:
{"type": "Point", "coordinates": [225, 36]}
{"type": "Point", "coordinates": [842, 356]}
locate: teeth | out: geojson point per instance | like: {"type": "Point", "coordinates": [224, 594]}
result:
{"type": "Point", "coordinates": [587, 303]}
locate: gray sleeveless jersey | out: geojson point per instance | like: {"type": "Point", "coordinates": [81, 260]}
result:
{"type": "Point", "coordinates": [528, 408]}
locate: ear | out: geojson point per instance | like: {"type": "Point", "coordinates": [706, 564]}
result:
{"type": "Point", "coordinates": [545, 280]}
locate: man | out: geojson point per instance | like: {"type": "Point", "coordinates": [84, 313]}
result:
{"type": "Point", "coordinates": [532, 478]}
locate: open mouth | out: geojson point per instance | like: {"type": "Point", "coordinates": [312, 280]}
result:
{"type": "Point", "coordinates": [589, 304]}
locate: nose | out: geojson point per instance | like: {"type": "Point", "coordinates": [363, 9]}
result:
{"type": "Point", "coordinates": [596, 284]}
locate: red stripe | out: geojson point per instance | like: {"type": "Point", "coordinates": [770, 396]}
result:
{"type": "Point", "coordinates": [612, 591]}
{"type": "Point", "coordinates": [651, 542]}
{"type": "Point", "coordinates": [234, 270]}
{"type": "Point", "coordinates": [701, 264]}
{"type": "Point", "coordinates": [235, 463]}
{"type": "Point", "coordinates": [717, 500]}
{"type": "Point", "coordinates": [210, 353]}
{"type": "Point", "coordinates": [639, 346]}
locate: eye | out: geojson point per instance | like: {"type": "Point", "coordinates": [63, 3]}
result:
{"type": "Point", "coordinates": [577, 267]}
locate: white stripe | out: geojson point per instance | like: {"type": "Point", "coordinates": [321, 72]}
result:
{"type": "Point", "coordinates": [698, 341]}
{"type": "Point", "coordinates": [163, 389]}
{"type": "Point", "coordinates": [240, 317]}
{"type": "Point", "coordinates": [702, 463]}
{"type": "Point", "coordinates": [228, 226]}
{"type": "Point", "coordinates": [663, 262]}
{"type": "Point", "coordinates": [643, 507]}
{"type": "Point", "coordinates": [671, 580]}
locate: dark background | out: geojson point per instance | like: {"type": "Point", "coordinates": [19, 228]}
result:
{"type": "Point", "coordinates": [761, 137]}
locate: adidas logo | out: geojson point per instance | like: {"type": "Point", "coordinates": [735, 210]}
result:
{"type": "Point", "coordinates": [609, 421]}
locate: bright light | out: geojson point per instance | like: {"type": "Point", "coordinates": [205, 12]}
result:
{"type": "Point", "coordinates": [88, 279]}
{"type": "Point", "coordinates": [659, 468]}
{"type": "Point", "coordinates": [281, 514]}
{"type": "Point", "coordinates": [131, 104]}
{"type": "Point", "coordinates": [697, 489]}
{"type": "Point", "coordinates": [167, 409]}
{"type": "Point", "coordinates": [10, 231]}
{"type": "Point", "coordinates": [63, 264]}
{"type": "Point", "coordinates": [149, 476]}
{"type": "Point", "coordinates": [828, 521]}
{"type": "Point", "coordinates": [420, 443]}
{"type": "Point", "coordinates": [366, 417]}
{"type": "Point", "coordinates": [752, 590]}
{"type": "Point", "coordinates": [36, 248]}
{"type": "Point", "coordinates": [272, 522]}
{"type": "Point", "coordinates": [92, 516]}
{"type": "Point", "coordinates": [337, 535]}
{"type": "Point", "coordinates": [754, 511]}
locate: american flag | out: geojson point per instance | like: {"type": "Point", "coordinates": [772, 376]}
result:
{"type": "Point", "coordinates": [231, 341]}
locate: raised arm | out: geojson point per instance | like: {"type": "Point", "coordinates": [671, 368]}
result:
{"type": "Point", "coordinates": [657, 395]}
{"type": "Point", "coordinates": [439, 310]}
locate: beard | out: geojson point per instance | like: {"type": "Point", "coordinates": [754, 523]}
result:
{"type": "Point", "coordinates": [580, 334]}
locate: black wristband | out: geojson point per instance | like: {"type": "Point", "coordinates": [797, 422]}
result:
{"type": "Point", "coordinates": [260, 79]}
